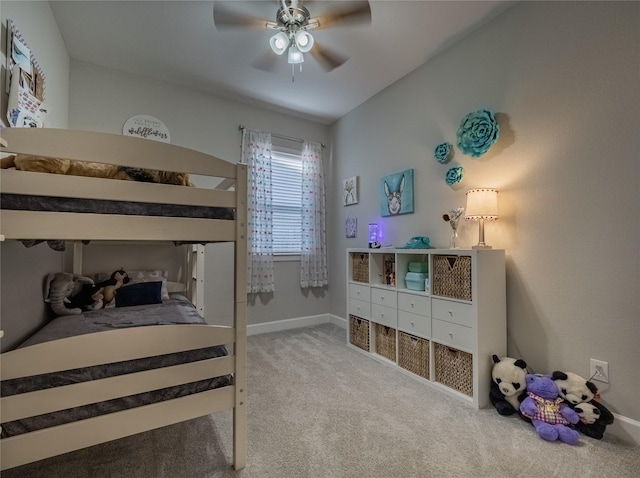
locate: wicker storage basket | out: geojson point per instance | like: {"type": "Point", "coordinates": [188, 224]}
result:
{"type": "Point", "coordinates": [454, 368]}
{"type": "Point", "coordinates": [359, 332]}
{"type": "Point", "coordinates": [452, 276]}
{"type": "Point", "coordinates": [413, 354]}
{"type": "Point", "coordinates": [386, 342]}
{"type": "Point", "coordinates": [360, 267]}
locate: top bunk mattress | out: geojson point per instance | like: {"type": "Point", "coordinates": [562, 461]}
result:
{"type": "Point", "coordinates": [20, 202]}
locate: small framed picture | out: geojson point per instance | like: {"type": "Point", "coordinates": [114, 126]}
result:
{"type": "Point", "coordinates": [351, 227]}
{"type": "Point", "coordinates": [350, 191]}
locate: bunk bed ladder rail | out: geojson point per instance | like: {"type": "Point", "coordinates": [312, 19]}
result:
{"type": "Point", "coordinates": [195, 283]}
{"type": "Point", "coordinates": [240, 323]}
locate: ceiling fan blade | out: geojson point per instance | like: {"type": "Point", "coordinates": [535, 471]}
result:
{"type": "Point", "coordinates": [328, 59]}
{"type": "Point", "coordinates": [358, 13]}
{"type": "Point", "coordinates": [225, 17]}
{"type": "Point", "coordinates": [267, 62]}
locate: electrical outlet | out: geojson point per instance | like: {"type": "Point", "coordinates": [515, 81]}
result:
{"type": "Point", "coordinates": [599, 371]}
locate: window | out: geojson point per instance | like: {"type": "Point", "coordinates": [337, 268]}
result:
{"type": "Point", "coordinates": [286, 197]}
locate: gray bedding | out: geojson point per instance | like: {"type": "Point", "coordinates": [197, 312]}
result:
{"type": "Point", "coordinates": [176, 311]}
{"type": "Point", "coordinates": [20, 202]}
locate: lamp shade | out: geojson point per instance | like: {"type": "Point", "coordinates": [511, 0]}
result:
{"type": "Point", "coordinates": [304, 41]}
{"type": "Point", "coordinates": [482, 203]}
{"type": "Point", "coordinates": [295, 55]}
{"type": "Point", "coordinates": [279, 43]}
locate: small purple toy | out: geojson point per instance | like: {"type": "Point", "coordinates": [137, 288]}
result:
{"type": "Point", "coordinates": [549, 415]}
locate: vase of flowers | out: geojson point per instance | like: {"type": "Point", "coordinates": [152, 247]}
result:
{"type": "Point", "coordinates": [453, 218]}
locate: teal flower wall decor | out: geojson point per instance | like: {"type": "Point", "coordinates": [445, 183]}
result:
{"type": "Point", "coordinates": [454, 175]}
{"type": "Point", "coordinates": [477, 132]}
{"type": "Point", "coordinates": [442, 152]}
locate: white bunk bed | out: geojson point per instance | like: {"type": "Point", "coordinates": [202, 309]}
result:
{"type": "Point", "coordinates": [111, 346]}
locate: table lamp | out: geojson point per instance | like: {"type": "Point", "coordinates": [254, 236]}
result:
{"type": "Point", "coordinates": [482, 204]}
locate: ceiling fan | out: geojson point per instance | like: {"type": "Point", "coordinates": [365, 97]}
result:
{"type": "Point", "coordinates": [294, 25]}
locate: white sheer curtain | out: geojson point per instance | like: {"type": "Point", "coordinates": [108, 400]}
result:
{"type": "Point", "coordinates": [256, 153]}
{"type": "Point", "coordinates": [313, 254]}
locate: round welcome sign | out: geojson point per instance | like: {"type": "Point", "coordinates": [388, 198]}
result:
{"type": "Point", "coordinates": [148, 127]}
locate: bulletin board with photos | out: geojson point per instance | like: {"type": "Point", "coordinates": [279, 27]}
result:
{"type": "Point", "coordinates": [25, 82]}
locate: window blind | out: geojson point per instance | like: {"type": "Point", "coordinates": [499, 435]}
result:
{"type": "Point", "coordinates": [286, 197]}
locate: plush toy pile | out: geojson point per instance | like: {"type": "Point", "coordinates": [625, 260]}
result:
{"type": "Point", "coordinates": [70, 167]}
{"type": "Point", "coordinates": [72, 294]}
{"type": "Point", "coordinates": [558, 405]}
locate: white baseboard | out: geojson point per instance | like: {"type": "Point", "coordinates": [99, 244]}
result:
{"type": "Point", "coordinates": [625, 429]}
{"type": "Point", "coordinates": [279, 325]}
{"type": "Point", "coordinates": [339, 321]}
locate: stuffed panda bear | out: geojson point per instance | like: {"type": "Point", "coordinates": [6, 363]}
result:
{"type": "Point", "coordinates": [573, 388]}
{"type": "Point", "coordinates": [508, 384]}
{"type": "Point", "coordinates": [582, 396]}
{"type": "Point", "coordinates": [594, 418]}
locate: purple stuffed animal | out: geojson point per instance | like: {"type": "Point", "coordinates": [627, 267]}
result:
{"type": "Point", "coordinates": [548, 414]}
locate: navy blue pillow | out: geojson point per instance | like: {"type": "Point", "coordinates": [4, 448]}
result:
{"type": "Point", "coordinates": [141, 293]}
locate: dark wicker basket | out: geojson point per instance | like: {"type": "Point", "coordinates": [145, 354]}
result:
{"type": "Point", "coordinates": [413, 354]}
{"type": "Point", "coordinates": [454, 368]}
{"type": "Point", "coordinates": [360, 267]}
{"type": "Point", "coordinates": [359, 332]}
{"type": "Point", "coordinates": [386, 342]}
{"type": "Point", "coordinates": [452, 277]}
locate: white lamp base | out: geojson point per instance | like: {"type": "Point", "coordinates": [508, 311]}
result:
{"type": "Point", "coordinates": [481, 244]}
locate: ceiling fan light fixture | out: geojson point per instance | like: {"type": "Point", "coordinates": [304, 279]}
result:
{"type": "Point", "coordinates": [304, 41]}
{"type": "Point", "coordinates": [292, 30]}
{"type": "Point", "coordinates": [295, 55]}
{"type": "Point", "coordinates": [279, 43]}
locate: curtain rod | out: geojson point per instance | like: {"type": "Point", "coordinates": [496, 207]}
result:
{"type": "Point", "coordinates": [290, 138]}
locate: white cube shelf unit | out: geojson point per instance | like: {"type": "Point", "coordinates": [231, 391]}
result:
{"type": "Point", "coordinates": [445, 335]}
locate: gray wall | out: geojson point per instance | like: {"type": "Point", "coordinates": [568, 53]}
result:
{"type": "Point", "coordinates": [23, 270]}
{"type": "Point", "coordinates": [563, 77]}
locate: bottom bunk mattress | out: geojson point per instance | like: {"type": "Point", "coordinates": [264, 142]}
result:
{"type": "Point", "coordinates": [177, 310]}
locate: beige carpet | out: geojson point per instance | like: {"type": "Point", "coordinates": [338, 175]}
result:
{"type": "Point", "coordinates": [320, 409]}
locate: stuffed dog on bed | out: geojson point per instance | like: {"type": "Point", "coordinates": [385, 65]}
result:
{"type": "Point", "coordinates": [70, 167]}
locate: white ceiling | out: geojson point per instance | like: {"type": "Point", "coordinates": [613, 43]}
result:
{"type": "Point", "coordinates": [177, 42]}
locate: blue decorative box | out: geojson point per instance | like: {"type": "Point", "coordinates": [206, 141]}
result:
{"type": "Point", "coordinates": [415, 280]}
